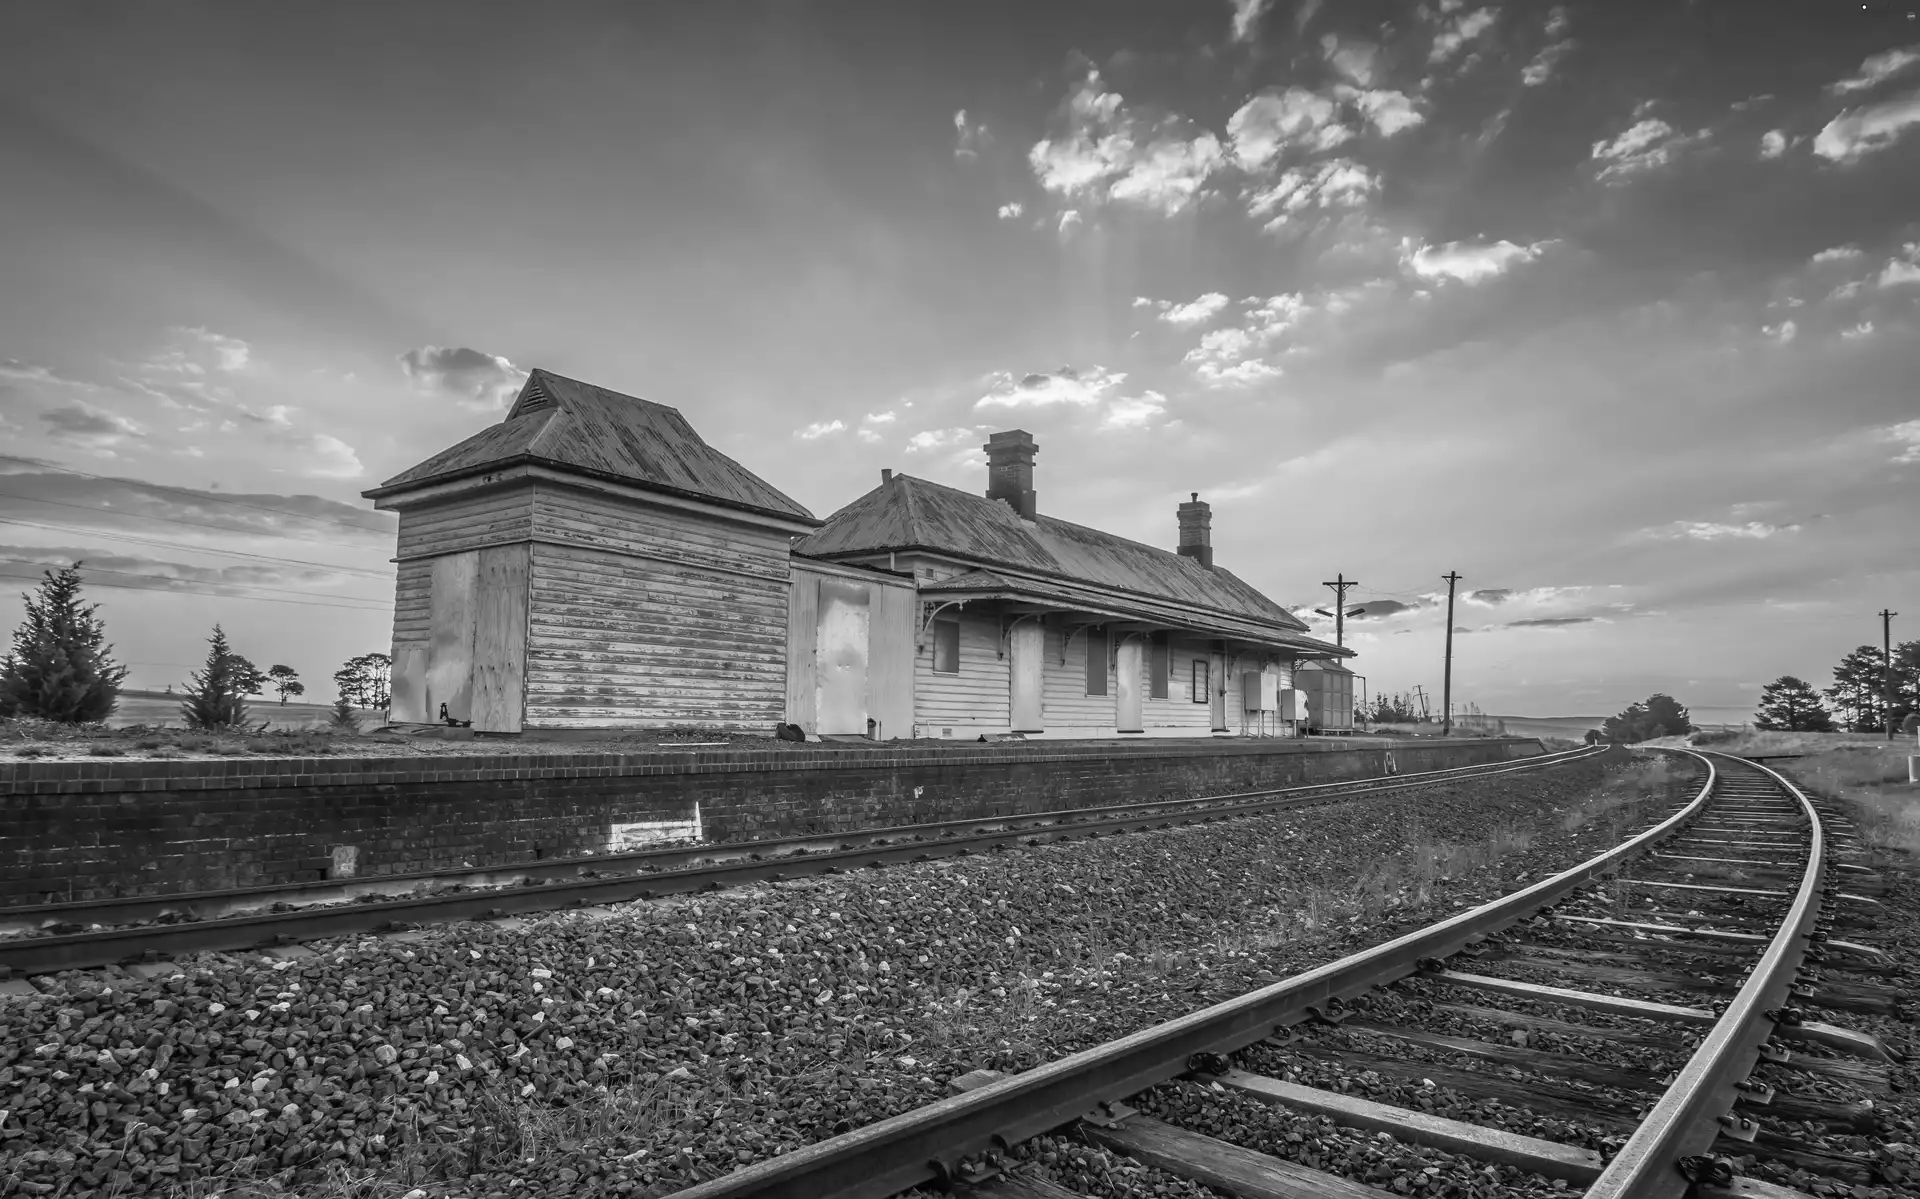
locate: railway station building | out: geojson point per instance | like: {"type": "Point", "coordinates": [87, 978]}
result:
{"type": "Point", "coordinates": [590, 564]}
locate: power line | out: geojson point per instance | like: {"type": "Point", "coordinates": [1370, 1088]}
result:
{"type": "Point", "coordinates": [193, 584]}
{"type": "Point", "coordinates": [198, 495]}
{"type": "Point", "coordinates": [172, 520]}
{"type": "Point", "coordinates": [136, 539]}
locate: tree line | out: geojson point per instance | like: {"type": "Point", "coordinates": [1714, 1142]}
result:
{"type": "Point", "coordinates": [1858, 699]}
{"type": "Point", "coordinates": [60, 667]}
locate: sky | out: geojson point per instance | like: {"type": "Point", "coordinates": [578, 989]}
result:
{"type": "Point", "coordinates": [1608, 306]}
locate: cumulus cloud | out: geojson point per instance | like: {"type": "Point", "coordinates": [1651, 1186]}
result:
{"type": "Point", "coordinates": [1352, 60]}
{"type": "Point", "coordinates": [1335, 183]}
{"type": "Point", "coordinates": [1246, 17]}
{"type": "Point", "coordinates": [1069, 221]}
{"type": "Point", "coordinates": [1454, 35]}
{"type": "Point", "coordinates": [1107, 153]}
{"type": "Point", "coordinates": [1647, 144]}
{"type": "Point", "coordinates": [1269, 123]}
{"type": "Point", "coordinates": [1836, 254]}
{"type": "Point", "coordinates": [232, 353]}
{"type": "Point", "coordinates": [29, 372]}
{"type": "Point", "coordinates": [1861, 131]}
{"type": "Point", "coordinates": [1066, 386]}
{"type": "Point", "coordinates": [969, 137]}
{"type": "Point", "coordinates": [1708, 530]}
{"type": "Point", "coordinates": [1773, 144]}
{"type": "Point", "coordinates": [1541, 68]}
{"type": "Point", "coordinates": [819, 429]}
{"type": "Point", "coordinates": [938, 439]}
{"type": "Point", "coordinates": [1550, 622]}
{"type": "Point", "coordinates": [468, 377]}
{"type": "Point", "coordinates": [1389, 110]}
{"type": "Point", "coordinates": [1877, 69]}
{"type": "Point", "coordinates": [1466, 261]}
{"type": "Point", "coordinates": [1904, 269]}
{"type": "Point", "coordinates": [1906, 434]}
{"type": "Point", "coordinates": [327, 457]}
{"type": "Point", "coordinates": [1862, 330]}
{"type": "Point", "coordinates": [86, 427]}
{"type": "Point", "coordinates": [1781, 333]}
{"type": "Point", "coordinates": [1134, 412]}
{"type": "Point", "coordinates": [1197, 311]}
{"type": "Point", "coordinates": [1229, 358]}
{"type": "Point", "coordinates": [1011, 211]}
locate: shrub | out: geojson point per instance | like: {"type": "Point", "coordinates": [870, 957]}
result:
{"type": "Point", "coordinates": [341, 716]}
{"type": "Point", "coordinates": [106, 751]}
{"type": "Point", "coordinates": [60, 667]}
{"type": "Point", "coordinates": [216, 697]}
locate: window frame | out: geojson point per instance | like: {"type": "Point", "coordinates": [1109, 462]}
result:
{"type": "Point", "coordinates": [940, 630]}
{"type": "Point", "coordinates": [1106, 671]}
{"type": "Point", "coordinates": [1202, 681]}
{"type": "Point", "coordinates": [1160, 666]}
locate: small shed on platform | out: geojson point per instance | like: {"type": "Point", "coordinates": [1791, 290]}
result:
{"type": "Point", "coordinates": [590, 562]}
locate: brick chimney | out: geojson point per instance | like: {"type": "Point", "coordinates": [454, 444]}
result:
{"type": "Point", "coordinates": [1196, 531]}
{"type": "Point", "coordinates": [1010, 469]}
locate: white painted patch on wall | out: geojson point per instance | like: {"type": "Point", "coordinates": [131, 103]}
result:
{"type": "Point", "coordinates": [624, 838]}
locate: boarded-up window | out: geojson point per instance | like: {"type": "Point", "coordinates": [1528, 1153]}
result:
{"type": "Point", "coordinates": [1162, 658]}
{"type": "Point", "coordinates": [1096, 661]}
{"type": "Point", "coordinates": [1201, 693]}
{"type": "Point", "coordinates": [946, 647]}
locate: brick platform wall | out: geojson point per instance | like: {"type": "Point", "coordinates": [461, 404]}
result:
{"type": "Point", "coordinates": [97, 830]}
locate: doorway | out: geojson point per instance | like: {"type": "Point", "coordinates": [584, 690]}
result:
{"type": "Point", "coordinates": [1127, 666]}
{"type": "Point", "coordinates": [840, 657]}
{"type": "Point", "coordinates": [1217, 691]}
{"type": "Point", "coordinates": [1028, 654]}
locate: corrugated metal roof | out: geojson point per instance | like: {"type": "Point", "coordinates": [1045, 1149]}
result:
{"type": "Point", "coordinates": [569, 425]}
{"type": "Point", "coordinates": [909, 513]}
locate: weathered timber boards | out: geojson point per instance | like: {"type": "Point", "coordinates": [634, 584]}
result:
{"type": "Point", "coordinates": [500, 639]}
{"type": "Point", "coordinates": [1559, 1065]}
{"type": "Point", "coordinates": [1652, 1038]}
{"type": "Point", "coordinates": [625, 526]}
{"type": "Point", "coordinates": [465, 523]}
{"type": "Point", "coordinates": [1583, 999]}
{"type": "Point", "coordinates": [1245, 1173]}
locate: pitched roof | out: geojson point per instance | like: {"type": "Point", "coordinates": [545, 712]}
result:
{"type": "Point", "coordinates": [573, 426]}
{"type": "Point", "coordinates": [909, 513]}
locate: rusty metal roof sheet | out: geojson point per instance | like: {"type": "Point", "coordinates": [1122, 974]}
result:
{"type": "Point", "coordinates": [573, 426]}
{"type": "Point", "coordinates": [908, 513]}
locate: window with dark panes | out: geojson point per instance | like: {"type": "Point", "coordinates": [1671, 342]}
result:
{"type": "Point", "coordinates": [946, 647]}
{"type": "Point", "coordinates": [1200, 695]}
{"type": "Point", "coordinates": [1162, 666]}
{"type": "Point", "coordinates": [1096, 661]}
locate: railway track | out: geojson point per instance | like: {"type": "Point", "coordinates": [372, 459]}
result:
{"type": "Point", "coordinates": [1642, 1025]}
{"type": "Point", "coordinates": [45, 938]}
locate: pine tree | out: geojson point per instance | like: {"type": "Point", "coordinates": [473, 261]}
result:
{"type": "Point", "coordinates": [1792, 705]}
{"type": "Point", "coordinates": [216, 698]}
{"type": "Point", "coordinates": [60, 667]}
{"type": "Point", "coordinates": [1856, 690]}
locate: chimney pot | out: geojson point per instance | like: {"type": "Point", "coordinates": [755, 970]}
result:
{"type": "Point", "coordinates": [886, 474]}
{"type": "Point", "coordinates": [1196, 531]}
{"type": "Point", "coordinates": [1010, 470]}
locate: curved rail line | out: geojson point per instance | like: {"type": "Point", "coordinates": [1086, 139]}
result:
{"type": "Point", "coordinates": [1742, 813]}
{"type": "Point", "coordinates": [232, 920]}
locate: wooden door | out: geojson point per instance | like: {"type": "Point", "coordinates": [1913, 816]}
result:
{"type": "Point", "coordinates": [1128, 667]}
{"type": "Point", "coordinates": [840, 657]}
{"type": "Point", "coordinates": [1028, 660]}
{"type": "Point", "coordinates": [1217, 691]}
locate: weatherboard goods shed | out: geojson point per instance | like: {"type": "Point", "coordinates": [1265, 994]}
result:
{"type": "Point", "coordinates": [589, 562]}
{"type": "Point", "coordinates": [937, 612]}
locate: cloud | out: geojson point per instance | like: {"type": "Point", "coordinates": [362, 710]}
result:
{"type": "Point", "coordinates": [1246, 17]}
{"type": "Point", "coordinates": [1069, 220]}
{"type": "Point", "coordinates": [1707, 530]}
{"type": "Point", "coordinates": [89, 428]}
{"type": "Point", "coordinates": [1352, 60]}
{"type": "Point", "coordinates": [1466, 261]}
{"type": "Point", "coordinates": [1863, 329]}
{"type": "Point", "coordinates": [1229, 358]}
{"type": "Point", "coordinates": [1456, 34]}
{"type": "Point", "coordinates": [1107, 153]}
{"type": "Point", "coordinates": [1781, 333]}
{"type": "Point", "coordinates": [1550, 622]}
{"type": "Point", "coordinates": [1134, 412]}
{"type": "Point", "coordinates": [819, 429]}
{"type": "Point", "coordinates": [1773, 144]}
{"type": "Point", "coordinates": [1907, 435]}
{"type": "Point", "coordinates": [1877, 69]}
{"type": "Point", "coordinates": [1265, 126]}
{"type": "Point", "coordinates": [29, 372]}
{"type": "Point", "coordinates": [1197, 311]}
{"type": "Point", "coordinates": [134, 504]}
{"type": "Point", "coordinates": [1647, 144]}
{"type": "Point", "coordinates": [970, 137]}
{"type": "Point", "coordinates": [1389, 110]}
{"type": "Point", "coordinates": [1836, 254]}
{"type": "Point", "coordinates": [879, 418]}
{"type": "Point", "coordinates": [1335, 183]}
{"type": "Point", "coordinates": [470, 378]}
{"type": "Point", "coordinates": [938, 439]}
{"type": "Point", "coordinates": [1066, 386]}
{"type": "Point", "coordinates": [1861, 131]}
{"type": "Point", "coordinates": [1904, 269]}
{"type": "Point", "coordinates": [233, 354]}
{"type": "Point", "coordinates": [330, 458]}
{"type": "Point", "coordinates": [1541, 68]}
{"type": "Point", "coordinates": [1011, 211]}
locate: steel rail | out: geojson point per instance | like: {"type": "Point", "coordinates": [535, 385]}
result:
{"type": "Point", "coordinates": [229, 901]}
{"type": "Point", "coordinates": [70, 951]}
{"type": "Point", "coordinates": [1687, 1117]}
{"type": "Point", "coordinates": [924, 1145]}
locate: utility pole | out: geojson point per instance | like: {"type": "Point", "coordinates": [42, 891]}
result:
{"type": "Point", "coordinates": [1886, 667]}
{"type": "Point", "coordinates": [1446, 680]}
{"type": "Point", "coordinates": [1340, 584]}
